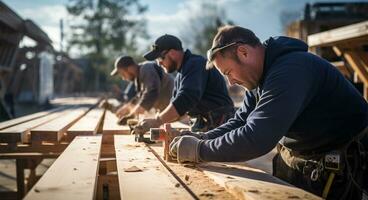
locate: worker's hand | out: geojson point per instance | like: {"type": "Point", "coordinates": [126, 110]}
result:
{"type": "Point", "coordinates": [199, 135]}
{"type": "Point", "coordinates": [123, 120]}
{"type": "Point", "coordinates": [185, 149]}
{"type": "Point", "coordinates": [122, 111]}
{"type": "Point", "coordinates": [148, 123]}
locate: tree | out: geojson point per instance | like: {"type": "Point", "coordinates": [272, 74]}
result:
{"type": "Point", "coordinates": [104, 29]}
{"type": "Point", "coordinates": [202, 27]}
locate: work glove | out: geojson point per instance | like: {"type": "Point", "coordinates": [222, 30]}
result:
{"type": "Point", "coordinates": [146, 124]}
{"type": "Point", "coordinates": [185, 149]}
{"type": "Point", "coordinates": [199, 135]}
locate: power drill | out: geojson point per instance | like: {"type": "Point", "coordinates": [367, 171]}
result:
{"type": "Point", "coordinates": [137, 131]}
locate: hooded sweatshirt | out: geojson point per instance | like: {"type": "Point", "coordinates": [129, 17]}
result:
{"type": "Point", "coordinates": [197, 90]}
{"type": "Point", "coordinates": [302, 101]}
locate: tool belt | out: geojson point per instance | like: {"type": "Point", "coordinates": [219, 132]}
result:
{"type": "Point", "coordinates": [337, 165]}
{"type": "Point", "coordinates": [212, 119]}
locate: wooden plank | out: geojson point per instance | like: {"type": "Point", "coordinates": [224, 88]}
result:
{"type": "Point", "coordinates": [180, 125]}
{"type": "Point", "coordinates": [241, 180]}
{"type": "Point", "coordinates": [54, 130]}
{"type": "Point", "coordinates": [87, 125]}
{"type": "Point", "coordinates": [19, 120]}
{"type": "Point", "coordinates": [87, 101]}
{"type": "Point", "coordinates": [343, 34]}
{"type": "Point", "coordinates": [250, 183]}
{"type": "Point", "coordinates": [110, 126]}
{"type": "Point", "coordinates": [151, 180]}
{"type": "Point", "coordinates": [198, 182]}
{"type": "Point", "coordinates": [21, 132]}
{"type": "Point", "coordinates": [358, 66]}
{"type": "Point", "coordinates": [29, 155]}
{"type": "Point", "coordinates": [71, 176]}
{"type": "Point", "coordinates": [27, 148]}
{"type": "Point", "coordinates": [342, 68]}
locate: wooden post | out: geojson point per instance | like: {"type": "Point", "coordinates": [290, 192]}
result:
{"type": "Point", "coordinates": [20, 178]}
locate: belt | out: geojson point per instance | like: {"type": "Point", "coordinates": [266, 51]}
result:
{"type": "Point", "coordinates": [324, 149]}
{"type": "Point", "coordinates": [298, 161]}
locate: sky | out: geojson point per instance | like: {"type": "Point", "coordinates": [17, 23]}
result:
{"type": "Point", "coordinates": [169, 16]}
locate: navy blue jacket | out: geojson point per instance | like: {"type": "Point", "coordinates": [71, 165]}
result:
{"type": "Point", "coordinates": [197, 90]}
{"type": "Point", "coordinates": [304, 102]}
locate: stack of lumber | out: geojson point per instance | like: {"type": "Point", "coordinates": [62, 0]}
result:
{"type": "Point", "coordinates": [98, 159]}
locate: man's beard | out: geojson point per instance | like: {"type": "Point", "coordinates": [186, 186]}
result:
{"type": "Point", "coordinates": [171, 67]}
{"type": "Point", "coordinates": [131, 77]}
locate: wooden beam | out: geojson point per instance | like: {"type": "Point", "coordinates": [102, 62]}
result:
{"type": "Point", "coordinates": [19, 120]}
{"type": "Point", "coordinates": [358, 66]}
{"type": "Point", "coordinates": [141, 175]}
{"type": "Point", "coordinates": [71, 176]}
{"type": "Point", "coordinates": [110, 126]}
{"type": "Point", "coordinates": [29, 155]}
{"type": "Point", "coordinates": [20, 163]}
{"type": "Point", "coordinates": [198, 182]}
{"type": "Point", "coordinates": [87, 125]}
{"type": "Point", "coordinates": [26, 148]}
{"type": "Point", "coordinates": [21, 132]}
{"type": "Point", "coordinates": [340, 65]}
{"type": "Point", "coordinates": [249, 183]}
{"type": "Point", "coordinates": [86, 101]}
{"type": "Point", "coordinates": [345, 34]}
{"type": "Point", "coordinates": [54, 130]}
{"type": "Point", "coordinates": [242, 181]}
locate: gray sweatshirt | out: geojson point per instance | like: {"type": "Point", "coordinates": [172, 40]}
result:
{"type": "Point", "coordinates": [154, 86]}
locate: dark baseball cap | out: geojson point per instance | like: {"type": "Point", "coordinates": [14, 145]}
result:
{"type": "Point", "coordinates": [165, 42]}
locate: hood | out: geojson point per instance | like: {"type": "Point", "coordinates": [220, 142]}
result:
{"type": "Point", "coordinates": [279, 46]}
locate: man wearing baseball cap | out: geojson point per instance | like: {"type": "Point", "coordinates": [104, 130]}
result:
{"type": "Point", "coordinates": [153, 85]}
{"type": "Point", "coordinates": [198, 92]}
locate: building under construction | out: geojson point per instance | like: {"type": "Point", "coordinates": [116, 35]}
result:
{"type": "Point", "coordinates": [323, 17]}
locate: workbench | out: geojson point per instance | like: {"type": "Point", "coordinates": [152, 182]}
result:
{"type": "Point", "coordinates": [98, 159]}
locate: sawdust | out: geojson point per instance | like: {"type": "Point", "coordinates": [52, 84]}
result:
{"type": "Point", "coordinates": [199, 183]}
{"type": "Point", "coordinates": [206, 194]}
{"type": "Point", "coordinates": [132, 146]}
{"type": "Point", "coordinates": [132, 169]}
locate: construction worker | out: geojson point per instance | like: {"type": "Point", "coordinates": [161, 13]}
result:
{"type": "Point", "coordinates": [200, 93]}
{"type": "Point", "coordinates": [295, 100]}
{"type": "Point", "coordinates": [153, 85]}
